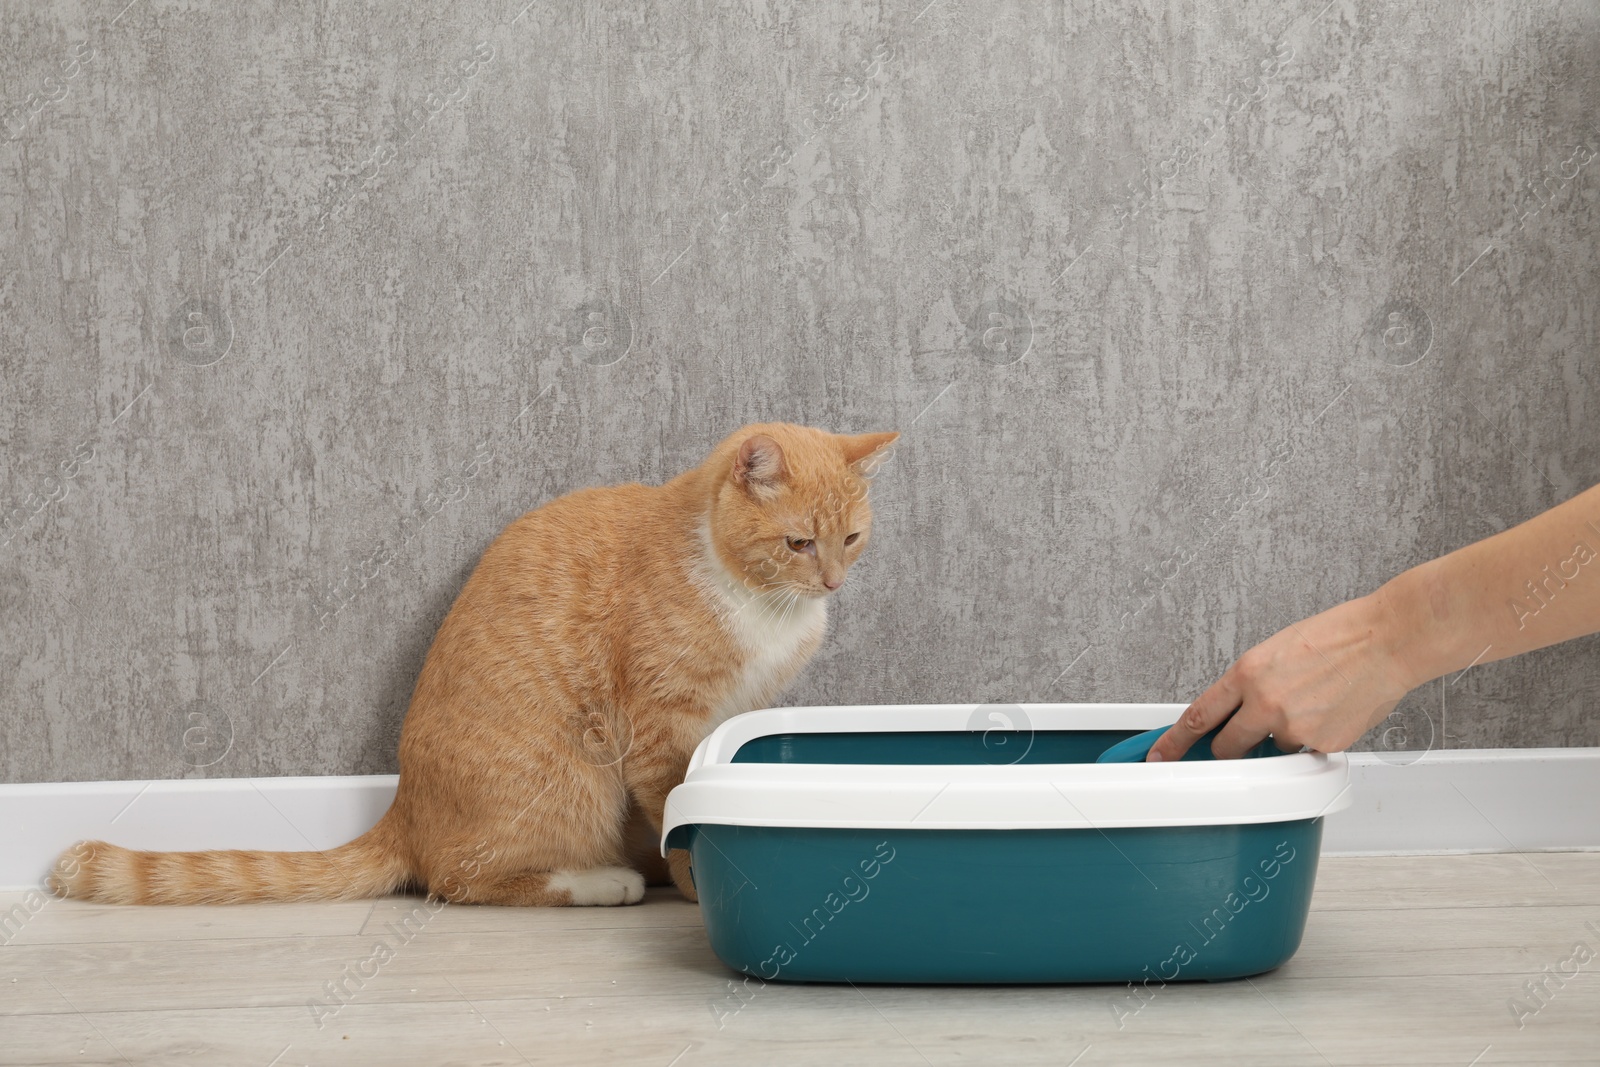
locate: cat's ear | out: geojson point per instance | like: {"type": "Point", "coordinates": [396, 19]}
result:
{"type": "Point", "coordinates": [759, 465]}
{"type": "Point", "coordinates": [866, 452]}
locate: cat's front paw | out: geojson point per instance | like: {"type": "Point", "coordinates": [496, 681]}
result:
{"type": "Point", "coordinates": [600, 886]}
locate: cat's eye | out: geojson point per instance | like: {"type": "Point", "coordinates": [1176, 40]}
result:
{"type": "Point", "coordinates": [852, 539]}
{"type": "Point", "coordinates": [799, 544]}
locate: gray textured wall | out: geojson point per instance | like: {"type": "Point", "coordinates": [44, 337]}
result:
{"type": "Point", "coordinates": [1197, 319]}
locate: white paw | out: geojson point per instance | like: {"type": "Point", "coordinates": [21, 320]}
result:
{"type": "Point", "coordinates": [600, 886]}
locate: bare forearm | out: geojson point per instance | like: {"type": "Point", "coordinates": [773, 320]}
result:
{"type": "Point", "coordinates": [1532, 585]}
{"type": "Point", "coordinates": [1326, 680]}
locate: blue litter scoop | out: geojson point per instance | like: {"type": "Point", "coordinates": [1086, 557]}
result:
{"type": "Point", "coordinates": [1137, 747]}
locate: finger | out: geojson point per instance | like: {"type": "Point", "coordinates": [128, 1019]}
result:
{"type": "Point", "coordinates": [1198, 719]}
{"type": "Point", "coordinates": [1247, 729]}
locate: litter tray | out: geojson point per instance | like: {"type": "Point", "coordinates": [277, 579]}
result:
{"type": "Point", "coordinates": [944, 843]}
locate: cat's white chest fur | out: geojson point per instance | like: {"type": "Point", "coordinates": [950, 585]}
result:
{"type": "Point", "coordinates": [773, 630]}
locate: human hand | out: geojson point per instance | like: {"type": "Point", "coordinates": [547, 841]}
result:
{"type": "Point", "coordinates": [1321, 683]}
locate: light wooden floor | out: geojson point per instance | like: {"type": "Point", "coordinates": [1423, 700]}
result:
{"type": "Point", "coordinates": [1406, 961]}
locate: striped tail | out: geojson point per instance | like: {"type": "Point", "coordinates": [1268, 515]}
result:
{"type": "Point", "coordinates": [369, 866]}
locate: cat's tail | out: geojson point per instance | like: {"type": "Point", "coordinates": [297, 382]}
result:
{"type": "Point", "coordinates": [370, 866]}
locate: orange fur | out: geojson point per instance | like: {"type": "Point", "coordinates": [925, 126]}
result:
{"type": "Point", "coordinates": [599, 639]}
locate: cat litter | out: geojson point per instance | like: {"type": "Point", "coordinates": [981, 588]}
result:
{"type": "Point", "coordinates": [939, 843]}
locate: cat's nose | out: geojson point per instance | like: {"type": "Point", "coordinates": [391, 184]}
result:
{"type": "Point", "coordinates": [833, 580]}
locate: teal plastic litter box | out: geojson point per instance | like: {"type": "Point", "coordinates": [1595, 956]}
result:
{"type": "Point", "coordinates": [948, 843]}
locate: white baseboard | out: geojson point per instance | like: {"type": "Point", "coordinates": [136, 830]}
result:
{"type": "Point", "coordinates": [281, 814]}
{"type": "Point", "coordinates": [1470, 800]}
{"type": "Point", "coordinates": [1483, 800]}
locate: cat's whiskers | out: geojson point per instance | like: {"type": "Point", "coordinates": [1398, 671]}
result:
{"type": "Point", "coordinates": [757, 598]}
{"type": "Point", "coordinates": [790, 606]}
{"type": "Point", "coordinates": [862, 583]}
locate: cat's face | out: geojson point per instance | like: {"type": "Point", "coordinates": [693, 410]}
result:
{"type": "Point", "coordinates": [792, 512]}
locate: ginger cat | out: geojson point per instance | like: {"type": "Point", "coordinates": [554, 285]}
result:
{"type": "Point", "coordinates": [599, 639]}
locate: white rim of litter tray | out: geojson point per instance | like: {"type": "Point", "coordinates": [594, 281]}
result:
{"type": "Point", "coordinates": [983, 797]}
